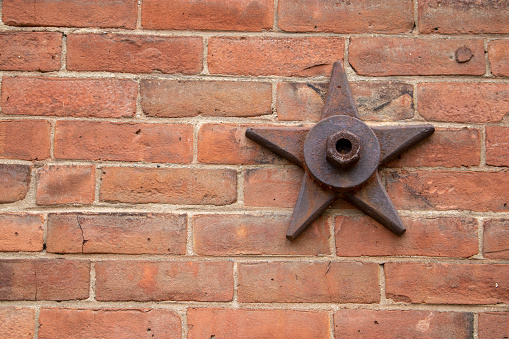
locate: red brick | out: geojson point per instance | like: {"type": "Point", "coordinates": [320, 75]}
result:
{"type": "Point", "coordinates": [463, 102]}
{"type": "Point", "coordinates": [124, 141]}
{"type": "Point", "coordinates": [30, 51]}
{"type": "Point", "coordinates": [65, 184]}
{"type": "Point", "coordinates": [17, 322]}
{"type": "Point", "coordinates": [441, 237]}
{"type": "Point", "coordinates": [14, 180]}
{"type": "Point", "coordinates": [493, 325]}
{"type": "Point", "coordinates": [186, 186]}
{"type": "Point", "coordinates": [164, 280]}
{"type": "Point", "coordinates": [376, 101]}
{"type": "Point", "coordinates": [176, 99]}
{"type": "Point", "coordinates": [365, 16]}
{"type": "Point", "coordinates": [102, 98]}
{"type": "Point", "coordinates": [236, 15]}
{"type": "Point", "coordinates": [498, 51]}
{"type": "Point", "coordinates": [238, 234]}
{"type": "Point", "coordinates": [24, 139]}
{"type": "Point", "coordinates": [497, 146]}
{"type": "Point", "coordinates": [274, 56]}
{"type": "Point", "coordinates": [449, 190]}
{"type": "Point", "coordinates": [259, 323]}
{"type": "Point", "coordinates": [463, 17]}
{"type": "Point", "coordinates": [447, 147]}
{"type": "Point", "coordinates": [109, 323]}
{"type": "Point", "coordinates": [402, 324]}
{"type": "Point", "coordinates": [496, 238]}
{"type": "Point", "coordinates": [44, 279]}
{"type": "Point", "coordinates": [134, 53]}
{"type": "Point", "coordinates": [125, 233]}
{"type": "Point", "coordinates": [441, 283]}
{"type": "Point", "coordinates": [70, 13]}
{"type": "Point", "coordinates": [314, 282]}
{"type": "Point", "coordinates": [21, 232]}
{"type": "Point", "coordinates": [410, 56]}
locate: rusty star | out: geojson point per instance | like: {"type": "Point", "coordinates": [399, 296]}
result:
{"type": "Point", "coordinates": [340, 156]}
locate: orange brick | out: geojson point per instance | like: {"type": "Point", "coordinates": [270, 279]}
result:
{"type": "Point", "coordinates": [238, 234]}
{"type": "Point", "coordinates": [102, 98]}
{"type": "Point", "coordinates": [441, 283]}
{"type": "Point", "coordinates": [14, 180]}
{"type": "Point", "coordinates": [496, 238]}
{"type": "Point", "coordinates": [313, 282]}
{"type": "Point", "coordinates": [449, 190]}
{"type": "Point", "coordinates": [463, 102]}
{"type": "Point", "coordinates": [440, 237]}
{"type": "Point", "coordinates": [65, 184]}
{"type": "Point", "coordinates": [497, 145]}
{"type": "Point", "coordinates": [493, 325]}
{"type": "Point", "coordinates": [70, 13]}
{"type": "Point", "coordinates": [21, 232]}
{"type": "Point", "coordinates": [234, 15]}
{"type": "Point", "coordinates": [126, 233]}
{"type": "Point", "coordinates": [402, 324]}
{"type": "Point", "coordinates": [498, 51]}
{"type": "Point", "coordinates": [44, 279]}
{"type": "Point", "coordinates": [259, 323]}
{"type": "Point", "coordinates": [24, 139]}
{"type": "Point", "coordinates": [186, 186]}
{"type": "Point", "coordinates": [17, 322]}
{"type": "Point", "coordinates": [378, 56]}
{"type": "Point", "coordinates": [274, 56]}
{"type": "Point", "coordinates": [134, 53]}
{"type": "Point", "coordinates": [124, 141]}
{"type": "Point", "coordinates": [109, 323]}
{"type": "Point", "coordinates": [365, 16]}
{"type": "Point", "coordinates": [164, 280]}
{"type": "Point", "coordinates": [176, 99]}
{"type": "Point", "coordinates": [30, 51]}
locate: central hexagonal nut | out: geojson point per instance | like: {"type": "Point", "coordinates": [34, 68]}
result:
{"type": "Point", "coordinates": [343, 149]}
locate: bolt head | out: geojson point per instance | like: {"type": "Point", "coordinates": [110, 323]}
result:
{"type": "Point", "coordinates": [343, 149]}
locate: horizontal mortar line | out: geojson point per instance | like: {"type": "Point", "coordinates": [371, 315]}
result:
{"type": "Point", "coordinates": [473, 169]}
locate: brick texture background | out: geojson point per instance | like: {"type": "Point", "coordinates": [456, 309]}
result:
{"type": "Point", "coordinates": [132, 204]}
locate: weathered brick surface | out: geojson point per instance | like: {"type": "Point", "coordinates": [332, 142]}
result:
{"type": "Point", "coordinates": [30, 51]}
{"type": "Point", "coordinates": [17, 322]}
{"type": "Point", "coordinates": [238, 234]}
{"type": "Point", "coordinates": [394, 16]}
{"type": "Point", "coordinates": [498, 52]}
{"type": "Point", "coordinates": [73, 13]}
{"type": "Point", "coordinates": [339, 282]}
{"type": "Point", "coordinates": [236, 15]}
{"type": "Point", "coordinates": [164, 280]}
{"type": "Point", "coordinates": [466, 102]}
{"type": "Point", "coordinates": [463, 17]}
{"type": "Point", "coordinates": [109, 323]}
{"type": "Point", "coordinates": [127, 233]}
{"type": "Point", "coordinates": [65, 184]}
{"type": "Point", "coordinates": [379, 101]}
{"type": "Point", "coordinates": [24, 139]}
{"type": "Point", "coordinates": [496, 238]}
{"type": "Point", "coordinates": [134, 53]}
{"type": "Point", "coordinates": [402, 324]}
{"type": "Point", "coordinates": [444, 283]}
{"type": "Point", "coordinates": [259, 323]}
{"type": "Point", "coordinates": [442, 237]}
{"type": "Point", "coordinates": [186, 186]}
{"type": "Point", "coordinates": [449, 190]}
{"type": "Point", "coordinates": [497, 146]}
{"type": "Point", "coordinates": [493, 325]}
{"type": "Point", "coordinates": [410, 56]}
{"type": "Point", "coordinates": [65, 97]}
{"type": "Point", "coordinates": [124, 141]}
{"type": "Point", "coordinates": [14, 180]}
{"type": "Point", "coordinates": [301, 56]}
{"type": "Point", "coordinates": [44, 279]}
{"type": "Point", "coordinates": [178, 99]}
{"type": "Point", "coordinates": [21, 232]}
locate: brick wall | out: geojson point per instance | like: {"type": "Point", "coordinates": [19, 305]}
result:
{"type": "Point", "coordinates": [132, 204]}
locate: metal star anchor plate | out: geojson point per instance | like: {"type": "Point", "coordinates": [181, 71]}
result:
{"type": "Point", "coordinates": [340, 156]}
